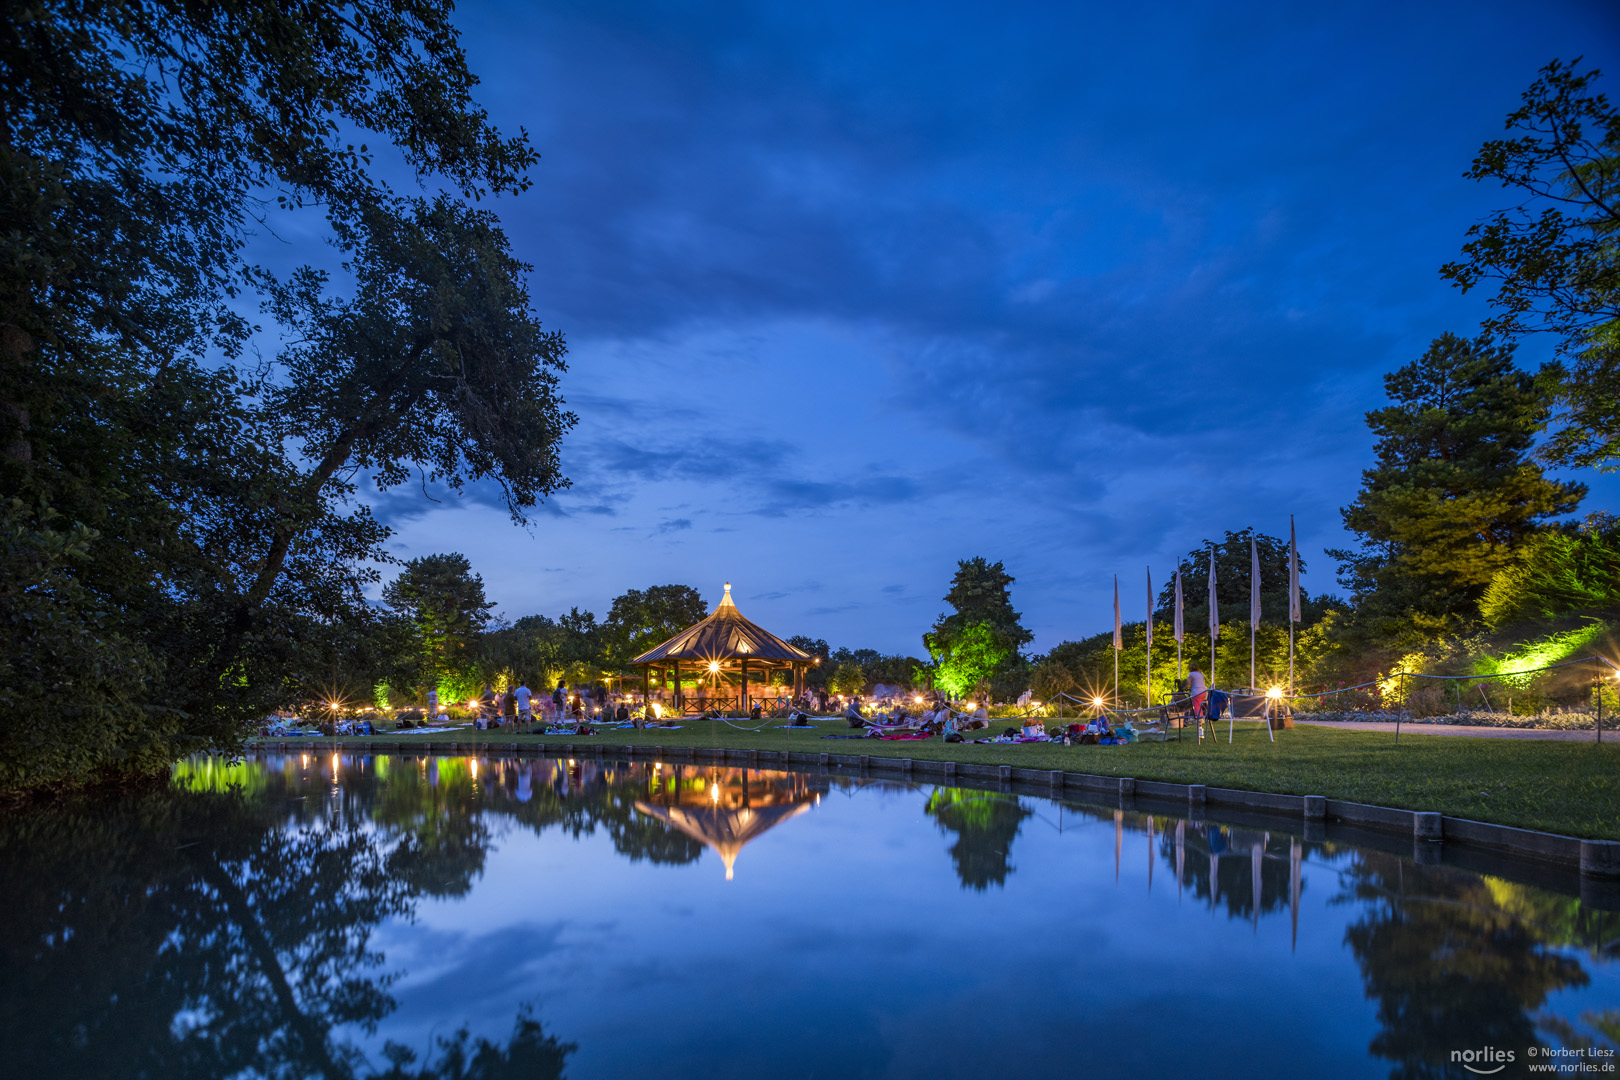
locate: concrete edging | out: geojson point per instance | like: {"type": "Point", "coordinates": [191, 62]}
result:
{"type": "Point", "coordinates": [1595, 858]}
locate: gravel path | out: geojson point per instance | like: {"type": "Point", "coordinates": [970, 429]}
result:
{"type": "Point", "coordinates": [1471, 731]}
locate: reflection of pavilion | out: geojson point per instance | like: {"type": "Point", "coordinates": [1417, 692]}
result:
{"type": "Point", "coordinates": [726, 808]}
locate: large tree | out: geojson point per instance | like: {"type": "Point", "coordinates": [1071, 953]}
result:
{"type": "Point", "coordinates": [445, 603]}
{"type": "Point", "coordinates": [1454, 493]}
{"type": "Point", "coordinates": [640, 619]}
{"type": "Point", "coordinates": [984, 635]}
{"type": "Point", "coordinates": [188, 513]}
{"type": "Point", "coordinates": [1554, 256]}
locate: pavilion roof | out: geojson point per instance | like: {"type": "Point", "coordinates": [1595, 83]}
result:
{"type": "Point", "coordinates": [725, 635]}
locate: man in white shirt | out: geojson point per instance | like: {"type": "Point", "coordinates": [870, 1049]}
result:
{"type": "Point", "coordinates": [525, 714]}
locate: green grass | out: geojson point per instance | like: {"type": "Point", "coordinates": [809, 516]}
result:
{"type": "Point", "coordinates": [1564, 787]}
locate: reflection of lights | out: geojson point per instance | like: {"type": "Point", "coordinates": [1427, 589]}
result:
{"type": "Point", "coordinates": [472, 763]}
{"type": "Point", "coordinates": [305, 759]}
{"type": "Point", "coordinates": [570, 763]}
{"type": "Point", "coordinates": [1274, 693]}
{"type": "Point", "coordinates": [714, 792]}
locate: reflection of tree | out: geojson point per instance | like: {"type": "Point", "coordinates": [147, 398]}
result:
{"type": "Point", "coordinates": [198, 933]}
{"type": "Point", "coordinates": [1457, 961]}
{"type": "Point", "coordinates": [985, 825]}
{"type": "Point", "coordinates": [530, 1054]}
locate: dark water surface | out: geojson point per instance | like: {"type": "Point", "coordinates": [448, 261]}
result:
{"type": "Point", "coordinates": [362, 915]}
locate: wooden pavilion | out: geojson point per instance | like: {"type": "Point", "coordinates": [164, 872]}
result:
{"type": "Point", "coordinates": [724, 652]}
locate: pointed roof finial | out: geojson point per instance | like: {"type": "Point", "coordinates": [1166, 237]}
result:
{"type": "Point", "coordinates": [725, 601]}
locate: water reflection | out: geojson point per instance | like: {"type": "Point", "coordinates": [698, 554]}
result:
{"type": "Point", "coordinates": [985, 824]}
{"type": "Point", "coordinates": [1454, 960]}
{"type": "Point", "coordinates": [229, 925]}
{"type": "Point", "coordinates": [724, 809]}
{"type": "Point", "coordinates": [189, 932]}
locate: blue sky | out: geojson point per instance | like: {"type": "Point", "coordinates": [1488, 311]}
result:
{"type": "Point", "coordinates": [854, 291]}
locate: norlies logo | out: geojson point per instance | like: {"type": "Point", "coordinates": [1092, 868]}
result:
{"type": "Point", "coordinates": [1486, 1061]}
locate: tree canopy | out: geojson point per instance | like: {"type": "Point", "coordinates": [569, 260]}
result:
{"type": "Point", "coordinates": [188, 511]}
{"type": "Point", "coordinates": [1553, 257]}
{"type": "Point", "coordinates": [984, 635]}
{"type": "Point", "coordinates": [1454, 493]}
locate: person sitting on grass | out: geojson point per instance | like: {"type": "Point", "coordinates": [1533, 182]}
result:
{"type": "Point", "coordinates": [852, 713]}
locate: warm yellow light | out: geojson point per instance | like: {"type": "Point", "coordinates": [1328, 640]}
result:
{"type": "Point", "coordinates": [714, 666]}
{"type": "Point", "coordinates": [1096, 702]}
{"type": "Point", "coordinates": [1274, 693]}
{"type": "Point", "coordinates": [570, 763]}
{"type": "Point", "coordinates": [916, 699]}
{"type": "Point", "coordinates": [714, 792]}
{"type": "Point", "coordinates": [654, 708]}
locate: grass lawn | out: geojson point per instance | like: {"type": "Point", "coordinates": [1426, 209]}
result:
{"type": "Point", "coordinates": [1564, 787]}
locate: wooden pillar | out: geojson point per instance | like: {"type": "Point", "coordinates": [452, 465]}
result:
{"type": "Point", "coordinates": [646, 688]}
{"type": "Point", "coordinates": [680, 700]}
{"type": "Point", "coordinates": [745, 684]}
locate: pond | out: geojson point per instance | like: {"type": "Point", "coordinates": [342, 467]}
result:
{"type": "Point", "coordinates": [358, 915]}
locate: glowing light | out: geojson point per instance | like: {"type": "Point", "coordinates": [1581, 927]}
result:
{"type": "Point", "coordinates": [570, 763]}
{"type": "Point", "coordinates": [714, 666]}
{"type": "Point", "coordinates": [472, 763]}
{"type": "Point", "coordinates": [916, 699]}
{"type": "Point", "coordinates": [714, 792]}
{"type": "Point", "coordinates": [1096, 702]}
{"type": "Point", "coordinates": [1274, 693]}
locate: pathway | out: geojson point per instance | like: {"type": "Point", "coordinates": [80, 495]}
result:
{"type": "Point", "coordinates": [1474, 730]}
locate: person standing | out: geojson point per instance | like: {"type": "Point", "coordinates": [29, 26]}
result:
{"type": "Point", "coordinates": [525, 711]}
{"type": "Point", "coordinates": [559, 698]}
{"type": "Point", "coordinates": [433, 704]}
{"type": "Point", "coordinates": [1199, 691]}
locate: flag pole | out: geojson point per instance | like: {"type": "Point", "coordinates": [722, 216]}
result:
{"type": "Point", "coordinates": [1179, 625]}
{"type": "Point", "coordinates": [1293, 600]}
{"type": "Point", "coordinates": [1254, 601]}
{"type": "Point", "coordinates": [1214, 616]}
{"type": "Point", "coordinates": [1148, 704]}
{"type": "Point", "coordinates": [1118, 642]}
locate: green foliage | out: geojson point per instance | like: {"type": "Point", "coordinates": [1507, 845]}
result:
{"type": "Point", "coordinates": [222, 564]}
{"type": "Point", "coordinates": [975, 653]}
{"type": "Point", "coordinates": [1454, 494]}
{"type": "Point", "coordinates": [1553, 257]}
{"type": "Point", "coordinates": [1232, 569]}
{"type": "Point", "coordinates": [638, 621]}
{"type": "Point", "coordinates": [847, 678]}
{"type": "Point", "coordinates": [1558, 572]}
{"type": "Point", "coordinates": [444, 601]}
{"type": "Point", "coordinates": [983, 636]}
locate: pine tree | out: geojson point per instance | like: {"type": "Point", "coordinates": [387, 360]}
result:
{"type": "Point", "coordinates": [1455, 492]}
{"type": "Point", "coordinates": [983, 635]}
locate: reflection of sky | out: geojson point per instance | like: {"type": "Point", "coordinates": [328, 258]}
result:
{"type": "Point", "coordinates": [856, 290]}
{"type": "Point", "coordinates": [846, 945]}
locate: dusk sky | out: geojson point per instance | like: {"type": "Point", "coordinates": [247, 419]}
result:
{"type": "Point", "coordinates": [854, 291]}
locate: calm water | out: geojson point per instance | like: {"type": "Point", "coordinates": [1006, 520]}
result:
{"type": "Point", "coordinates": [359, 916]}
